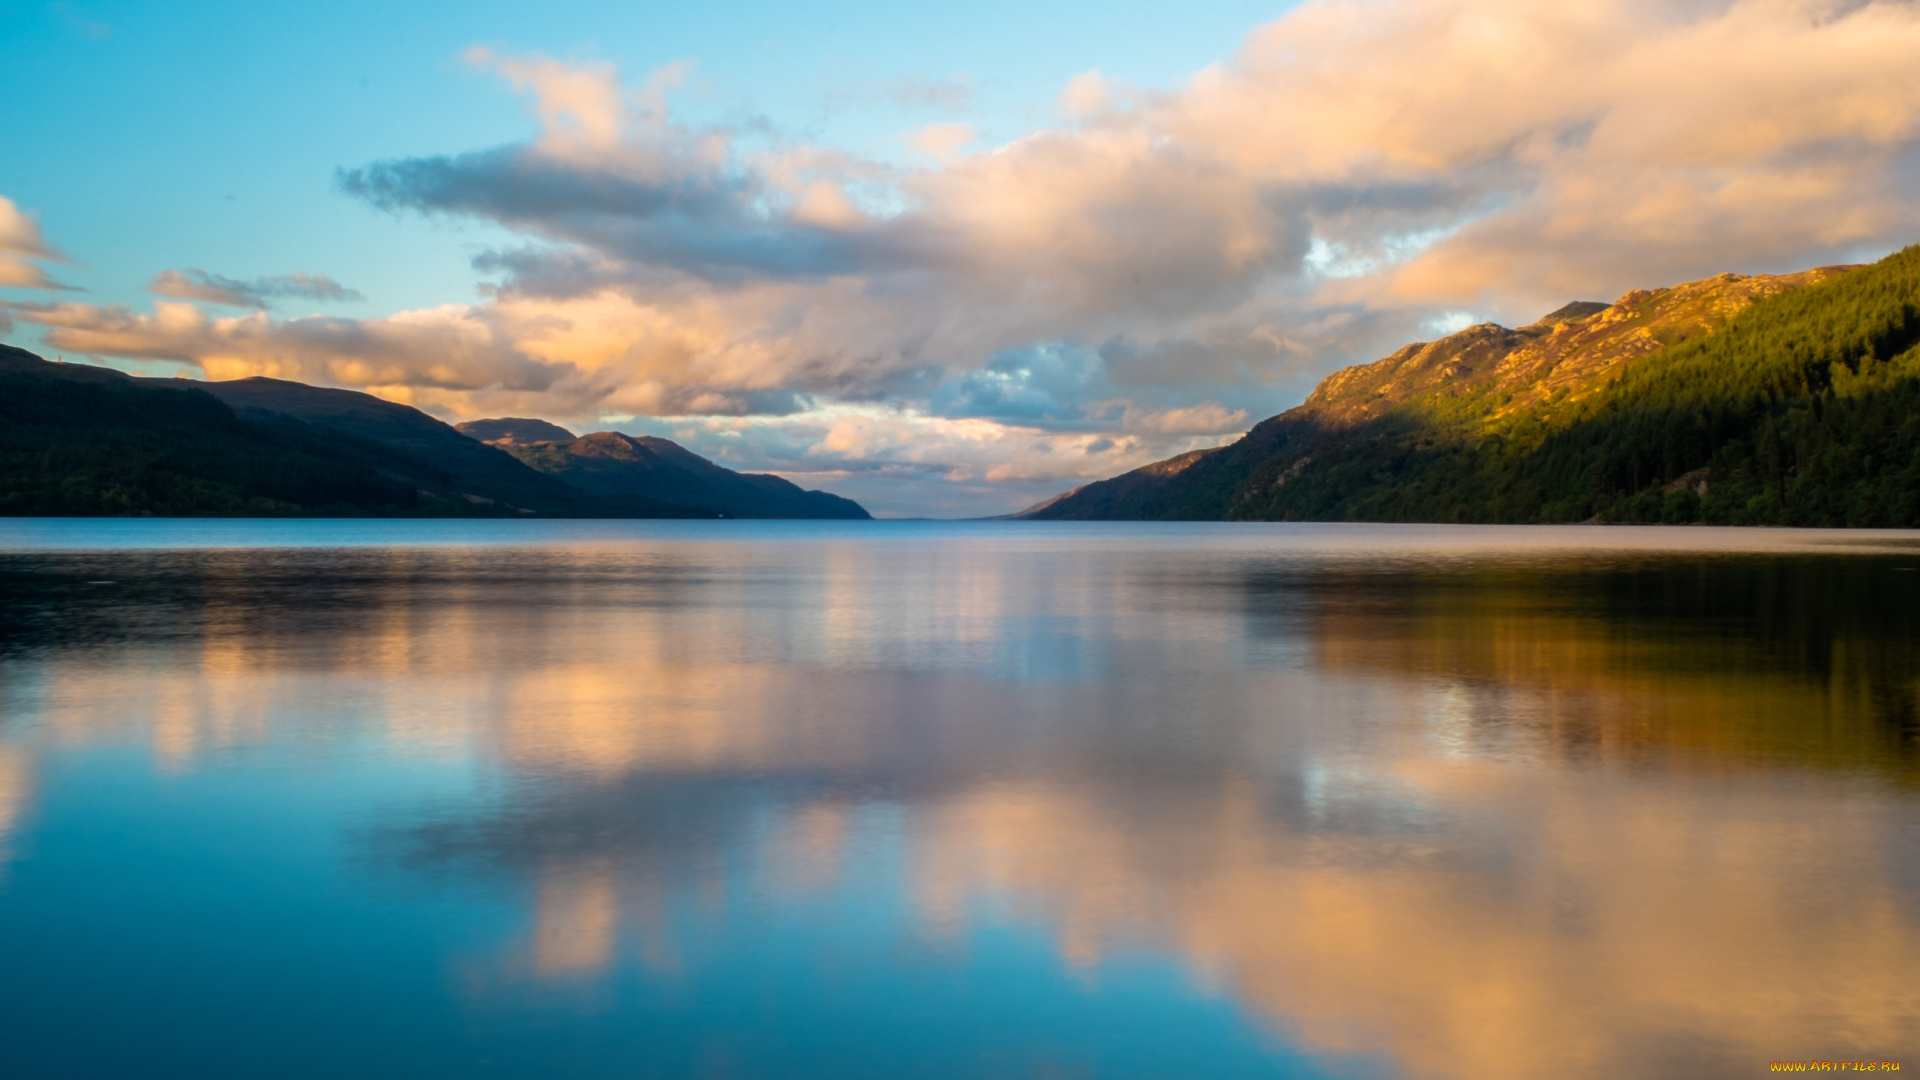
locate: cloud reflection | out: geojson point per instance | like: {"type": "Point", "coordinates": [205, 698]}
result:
{"type": "Point", "coordinates": [16, 797]}
{"type": "Point", "coordinates": [1582, 817]}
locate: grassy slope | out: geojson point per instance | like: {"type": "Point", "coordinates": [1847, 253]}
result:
{"type": "Point", "coordinates": [1798, 400]}
{"type": "Point", "coordinates": [1801, 409]}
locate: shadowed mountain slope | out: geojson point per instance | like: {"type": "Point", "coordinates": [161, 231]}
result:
{"type": "Point", "coordinates": [514, 431]}
{"type": "Point", "coordinates": [475, 467]}
{"type": "Point", "coordinates": [77, 440]}
{"type": "Point", "coordinates": [607, 462]}
{"type": "Point", "coordinates": [1758, 400]}
{"type": "Point", "coordinates": [81, 440]}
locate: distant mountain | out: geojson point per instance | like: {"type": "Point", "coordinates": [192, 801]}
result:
{"type": "Point", "coordinates": [610, 463]}
{"type": "Point", "coordinates": [514, 431]}
{"type": "Point", "coordinates": [81, 440]}
{"type": "Point", "coordinates": [1788, 400]}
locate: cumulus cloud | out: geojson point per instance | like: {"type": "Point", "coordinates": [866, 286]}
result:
{"type": "Point", "coordinates": [942, 141]}
{"type": "Point", "coordinates": [455, 347]}
{"type": "Point", "coordinates": [909, 464]}
{"type": "Point", "coordinates": [1085, 95]}
{"type": "Point", "coordinates": [260, 293]}
{"type": "Point", "coordinates": [20, 233]}
{"type": "Point", "coordinates": [21, 274]}
{"type": "Point", "coordinates": [1165, 265]}
{"type": "Point", "coordinates": [21, 242]}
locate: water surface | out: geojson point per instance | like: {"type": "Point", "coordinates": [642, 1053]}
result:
{"type": "Point", "coordinates": [542, 799]}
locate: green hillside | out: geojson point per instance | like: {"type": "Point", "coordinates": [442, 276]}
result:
{"type": "Point", "coordinates": [471, 467]}
{"type": "Point", "coordinates": [82, 441]}
{"type": "Point", "coordinates": [1775, 401]}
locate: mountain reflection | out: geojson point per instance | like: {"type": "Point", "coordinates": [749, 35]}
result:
{"type": "Point", "coordinates": [1801, 660]}
{"type": "Point", "coordinates": [1579, 814]}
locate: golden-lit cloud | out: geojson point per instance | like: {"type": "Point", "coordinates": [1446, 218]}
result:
{"type": "Point", "coordinates": [21, 242]}
{"type": "Point", "coordinates": [942, 141]}
{"type": "Point", "coordinates": [1209, 249]}
{"type": "Point", "coordinates": [20, 233]}
{"type": "Point", "coordinates": [454, 346]}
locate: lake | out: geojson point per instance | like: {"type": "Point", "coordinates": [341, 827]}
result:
{"type": "Point", "coordinates": [995, 799]}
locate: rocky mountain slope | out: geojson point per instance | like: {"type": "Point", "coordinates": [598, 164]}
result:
{"type": "Point", "coordinates": [609, 463]}
{"type": "Point", "coordinates": [1766, 400]}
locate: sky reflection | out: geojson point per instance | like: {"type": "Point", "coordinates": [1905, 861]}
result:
{"type": "Point", "coordinates": [1014, 802]}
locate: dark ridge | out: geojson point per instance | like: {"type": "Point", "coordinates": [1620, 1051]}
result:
{"type": "Point", "coordinates": [514, 431]}
{"type": "Point", "coordinates": [609, 463]}
{"type": "Point", "coordinates": [82, 440]}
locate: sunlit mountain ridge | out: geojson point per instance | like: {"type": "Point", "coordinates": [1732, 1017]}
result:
{"type": "Point", "coordinates": [1733, 400]}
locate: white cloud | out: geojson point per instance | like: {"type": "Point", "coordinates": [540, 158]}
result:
{"type": "Point", "coordinates": [942, 141]}
{"type": "Point", "coordinates": [1170, 264]}
{"type": "Point", "coordinates": [21, 242]}
{"type": "Point", "coordinates": [1085, 95]}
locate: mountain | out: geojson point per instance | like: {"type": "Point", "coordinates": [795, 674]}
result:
{"type": "Point", "coordinates": [81, 440]}
{"type": "Point", "coordinates": [610, 463]}
{"type": "Point", "coordinates": [1790, 400]}
{"type": "Point", "coordinates": [473, 467]}
{"type": "Point", "coordinates": [514, 431]}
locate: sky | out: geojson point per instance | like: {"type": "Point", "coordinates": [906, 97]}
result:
{"type": "Point", "coordinates": [946, 260]}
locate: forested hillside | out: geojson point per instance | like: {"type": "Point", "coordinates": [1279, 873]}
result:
{"type": "Point", "coordinates": [1779, 401]}
{"type": "Point", "coordinates": [82, 441]}
{"type": "Point", "coordinates": [470, 467]}
{"type": "Point", "coordinates": [106, 445]}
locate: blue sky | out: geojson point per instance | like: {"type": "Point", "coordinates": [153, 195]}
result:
{"type": "Point", "coordinates": [947, 260]}
{"type": "Point", "coordinates": [208, 134]}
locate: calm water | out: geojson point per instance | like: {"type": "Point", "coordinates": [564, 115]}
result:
{"type": "Point", "coordinates": [998, 800]}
